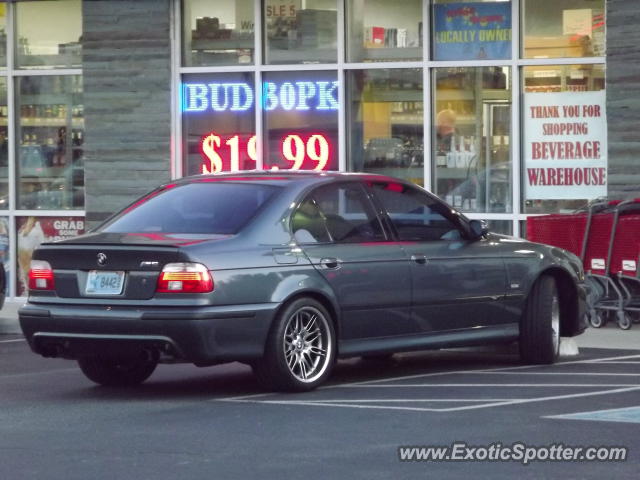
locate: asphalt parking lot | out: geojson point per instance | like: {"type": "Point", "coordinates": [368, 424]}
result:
{"type": "Point", "coordinates": [187, 422]}
{"type": "Point", "coordinates": [472, 389]}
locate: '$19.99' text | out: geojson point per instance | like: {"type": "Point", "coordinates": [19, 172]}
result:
{"type": "Point", "coordinates": [295, 149]}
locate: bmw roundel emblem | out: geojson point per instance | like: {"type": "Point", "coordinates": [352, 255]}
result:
{"type": "Point", "coordinates": [102, 259]}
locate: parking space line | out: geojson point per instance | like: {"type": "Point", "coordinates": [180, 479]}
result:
{"type": "Point", "coordinates": [414, 400]}
{"type": "Point", "coordinates": [240, 398]}
{"type": "Point", "coordinates": [497, 369]}
{"type": "Point", "coordinates": [563, 373]}
{"type": "Point", "coordinates": [325, 403]}
{"type": "Point", "coordinates": [621, 362]}
{"type": "Point", "coordinates": [14, 340]}
{"type": "Point", "coordinates": [625, 415]}
{"type": "Point", "coordinates": [32, 374]}
{"type": "Point", "coordinates": [348, 405]}
{"type": "Point", "coordinates": [369, 382]}
{"type": "Point", "coordinates": [542, 399]}
{"type": "Point", "coordinates": [476, 385]}
{"type": "Point", "coordinates": [437, 374]}
{"type": "Point", "coordinates": [606, 359]}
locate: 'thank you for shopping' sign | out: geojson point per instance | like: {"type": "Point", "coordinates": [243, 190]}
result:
{"type": "Point", "coordinates": [565, 145]}
{"type": "Point", "coordinates": [472, 31]}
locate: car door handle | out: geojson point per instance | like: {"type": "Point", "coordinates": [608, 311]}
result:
{"type": "Point", "coordinates": [419, 259]}
{"type": "Point", "coordinates": [330, 263]}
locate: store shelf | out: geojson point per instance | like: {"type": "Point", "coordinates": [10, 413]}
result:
{"type": "Point", "coordinates": [315, 55]}
{"type": "Point", "coordinates": [73, 60]}
{"type": "Point", "coordinates": [226, 44]}
{"type": "Point", "coordinates": [407, 119]}
{"type": "Point", "coordinates": [448, 173]}
{"type": "Point", "coordinates": [454, 95]}
{"type": "Point", "coordinates": [391, 54]}
{"type": "Point", "coordinates": [51, 122]}
{"type": "Point", "coordinates": [397, 94]}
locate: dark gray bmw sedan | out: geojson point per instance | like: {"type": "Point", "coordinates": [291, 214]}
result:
{"type": "Point", "coordinates": [287, 272]}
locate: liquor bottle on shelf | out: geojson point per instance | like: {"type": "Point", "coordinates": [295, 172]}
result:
{"type": "Point", "coordinates": [49, 151]}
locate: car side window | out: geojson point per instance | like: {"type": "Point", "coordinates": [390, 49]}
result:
{"type": "Point", "coordinates": [415, 216]}
{"type": "Point", "coordinates": [348, 213]}
{"type": "Point", "coordinates": [308, 224]}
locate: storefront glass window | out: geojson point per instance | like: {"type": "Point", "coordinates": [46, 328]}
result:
{"type": "Point", "coordinates": [50, 136]}
{"type": "Point", "coordinates": [4, 146]}
{"type": "Point", "coordinates": [570, 28]}
{"type": "Point", "coordinates": [3, 34]}
{"type": "Point", "coordinates": [564, 140]}
{"type": "Point", "coordinates": [301, 120]}
{"type": "Point", "coordinates": [5, 252]}
{"type": "Point", "coordinates": [48, 34]}
{"type": "Point", "coordinates": [301, 31]}
{"type": "Point", "coordinates": [471, 30]}
{"type": "Point", "coordinates": [504, 227]}
{"type": "Point", "coordinates": [384, 31]}
{"type": "Point", "coordinates": [218, 123]}
{"type": "Point", "coordinates": [385, 118]}
{"type": "Point", "coordinates": [32, 231]}
{"type": "Point", "coordinates": [472, 138]}
{"type": "Point", "coordinates": [217, 33]}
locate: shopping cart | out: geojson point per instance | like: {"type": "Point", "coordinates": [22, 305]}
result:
{"type": "Point", "coordinates": [623, 257]}
{"type": "Point", "coordinates": [591, 236]}
{"type": "Point", "coordinates": [606, 299]}
{"type": "Point", "coordinates": [560, 230]}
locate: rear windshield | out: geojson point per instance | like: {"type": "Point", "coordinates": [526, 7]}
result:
{"type": "Point", "coordinates": [215, 207]}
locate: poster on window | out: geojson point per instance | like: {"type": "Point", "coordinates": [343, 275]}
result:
{"type": "Point", "coordinates": [32, 231]}
{"type": "Point", "coordinates": [472, 31]}
{"type": "Point", "coordinates": [565, 145]}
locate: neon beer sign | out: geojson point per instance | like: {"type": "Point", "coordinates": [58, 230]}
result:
{"type": "Point", "coordinates": [239, 96]}
{"type": "Point", "coordinates": [309, 152]}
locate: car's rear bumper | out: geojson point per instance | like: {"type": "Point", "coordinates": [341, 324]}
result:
{"type": "Point", "coordinates": [201, 335]}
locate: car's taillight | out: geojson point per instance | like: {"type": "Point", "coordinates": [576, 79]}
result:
{"type": "Point", "coordinates": [41, 276]}
{"type": "Point", "coordinates": [184, 278]}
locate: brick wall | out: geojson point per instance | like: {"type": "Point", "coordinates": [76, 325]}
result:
{"type": "Point", "coordinates": [623, 97]}
{"type": "Point", "coordinates": [127, 90]}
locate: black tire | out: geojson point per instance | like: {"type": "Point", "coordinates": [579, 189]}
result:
{"type": "Point", "coordinates": [288, 354]}
{"type": "Point", "coordinates": [598, 318]}
{"type": "Point", "coordinates": [624, 320]}
{"type": "Point", "coordinates": [539, 343]}
{"type": "Point", "coordinates": [117, 373]}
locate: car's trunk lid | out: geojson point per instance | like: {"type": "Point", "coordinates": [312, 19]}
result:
{"type": "Point", "coordinates": [135, 259]}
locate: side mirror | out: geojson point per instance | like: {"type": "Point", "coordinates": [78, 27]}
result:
{"type": "Point", "coordinates": [478, 229]}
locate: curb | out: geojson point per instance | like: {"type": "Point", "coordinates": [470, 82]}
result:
{"type": "Point", "coordinates": [9, 324]}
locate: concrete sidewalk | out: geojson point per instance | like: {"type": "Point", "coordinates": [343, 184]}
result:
{"type": "Point", "coordinates": [608, 337]}
{"type": "Point", "coordinates": [9, 318]}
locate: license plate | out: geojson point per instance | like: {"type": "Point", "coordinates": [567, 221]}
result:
{"type": "Point", "coordinates": [104, 283]}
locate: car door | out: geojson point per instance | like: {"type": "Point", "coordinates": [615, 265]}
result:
{"type": "Point", "coordinates": [457, 283]}
{"type": "Point", "coordinates": [338, 229]}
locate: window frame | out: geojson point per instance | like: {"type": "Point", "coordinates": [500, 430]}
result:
{"type": "Point", "coordinates": [369, 204]}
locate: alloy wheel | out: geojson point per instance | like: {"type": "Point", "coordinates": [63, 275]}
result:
{"type": "Point", "coordinates": [307, 344]}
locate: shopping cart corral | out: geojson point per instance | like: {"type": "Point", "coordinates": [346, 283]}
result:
{"type": "Point", "coordinates": [607, 239]}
